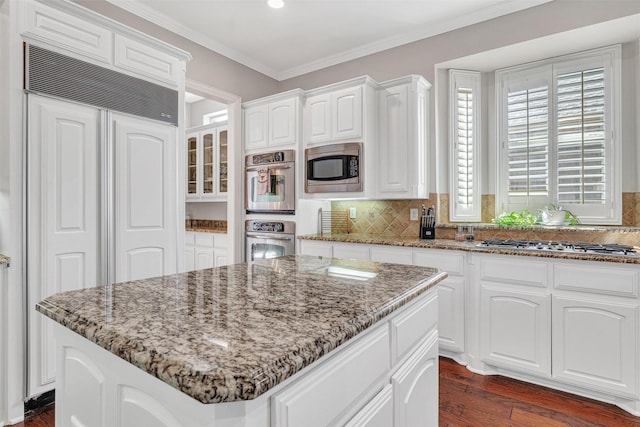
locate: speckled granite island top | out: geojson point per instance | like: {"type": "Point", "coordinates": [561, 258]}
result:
{"type": "Point", "coordinates": [232, 333]}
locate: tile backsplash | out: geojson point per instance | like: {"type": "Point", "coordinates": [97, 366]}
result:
{"type": "Point", "coordinates": [392, 217]}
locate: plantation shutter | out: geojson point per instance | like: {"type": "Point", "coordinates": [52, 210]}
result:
{"type": "Point", "coordinates": [465, 124]}
{"type": "Point", "coordinates": [528, 142]}
{"type": "Point", "coordinates": [581, 133]}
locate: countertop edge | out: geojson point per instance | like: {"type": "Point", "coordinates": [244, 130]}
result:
{"type": "Point", "coordinates": [467, 247]}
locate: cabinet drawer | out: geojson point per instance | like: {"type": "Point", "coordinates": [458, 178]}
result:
{"type": "Point", "coordinates": [514, 272]}
{"type": "Point", "coordinates": [601, 280]}
{"type": "Point", "coordinates": [143, 60]}
{"type": "Point", "coordinates": [378, 412]}
{"type": "Point", "coordinates": [452, 263]}
{"type": "Point", "coordinates": [410, 327]}
{"type": "Point", "coordinates": [333, 387]}
{"type": "Point", "coordinates": [394, 255]}
{"type": "Point", "coordinates": [204, 240]}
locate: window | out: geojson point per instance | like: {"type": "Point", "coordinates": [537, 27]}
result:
{"type": "Point", "coordinates": [557, 123]}
{"type": "Point", "coordinates": [217, 117]}
{"type": "Point", "coordinates": [464, 101]}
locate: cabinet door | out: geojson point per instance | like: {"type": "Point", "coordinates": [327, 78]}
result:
{"type": "Point", "coordinates": [142, 59]}
{"type": "Point", "coordinates": [220, 257]}
{"type": "Point", "coordinates": [515, 329]}
{"type": "Point", "coordinates": [72, 33]}
{"type": "Point", "coordinates": [451, 314]}
{"type": "Point", "coordinates": [145, 205]}
{"type": "Point", "coordinates": [204, 258]}
{"type": "Point", "coordinates": [347, 113]}
{"type": "Point", "coordinates": [223, 171]}
{"type": "Point", "coordinates": [207, 164]}
{"type": "Point", "coordinates": [189, 258]}
{"type": "Point", "coordinates": [283, 123]}
{"type": "Point", "coordinates": [415, 387]}
{"type": "Point", "coordinates": [392, 255]}
{"type": "Point", "coordinates": [63, 246]}
{"type": "Point", "coordinates": [192, 166]}
{"type": "Point", "coordinates": [595, 345]}
{"type": "Point", "coordinates": [395, 165]}
{"type": "Point", "coordinates": [256, 127]}
{"type": "Point", "coordinates": [318, 121]}
{"type": "Point", "coordinates": [377, 413]}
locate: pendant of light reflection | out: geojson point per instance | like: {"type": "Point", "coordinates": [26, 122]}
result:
{"type": "Point", "coordinates": [276, 4]}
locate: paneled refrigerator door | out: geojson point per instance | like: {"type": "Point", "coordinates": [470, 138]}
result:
{"type": "Point", "coordinates": [63, 217]}
{"type": "Point", "coordinates": [145, 178]}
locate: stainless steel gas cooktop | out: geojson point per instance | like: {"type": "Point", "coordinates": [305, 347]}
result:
{"type": "Point", "coordinates": [547, 245]}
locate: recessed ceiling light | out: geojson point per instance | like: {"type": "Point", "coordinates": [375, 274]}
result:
{"type": "Point", "coordinates": [276, 4]}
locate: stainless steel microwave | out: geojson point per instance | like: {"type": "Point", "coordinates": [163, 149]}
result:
{"type": "Point", "coordinates": [334, 168]}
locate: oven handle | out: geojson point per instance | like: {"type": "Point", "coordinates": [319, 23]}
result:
{"type": "Point", "coordinates": [256, 236]}
{"type": "Point", "coordinates": [270, 166]}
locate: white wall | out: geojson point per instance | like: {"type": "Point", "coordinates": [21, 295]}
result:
{"type": "Point", "coordinates": [196, 111]}
{"type": "Point", "coordinates": [207, 210]}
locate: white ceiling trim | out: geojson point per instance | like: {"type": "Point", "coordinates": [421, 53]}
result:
{"type": "Point", "coordinates": [143, 11]}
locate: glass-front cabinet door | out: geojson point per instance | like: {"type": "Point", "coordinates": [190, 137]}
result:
{"type": "Point", "coordinates": [192, 165]}
{"type": "Point", "coordinates": [222, 160]}
{"type": "Point", "coordinates": [207, 149]}
{"type": "Point", "coordinates": [208, 186]}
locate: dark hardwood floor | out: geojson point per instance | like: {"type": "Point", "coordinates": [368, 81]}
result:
{"type": "Point", "coordinates": [468, 399]}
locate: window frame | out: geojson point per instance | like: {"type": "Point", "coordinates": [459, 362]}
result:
{"type": "Point", "coordinates": [609, 213]}
{"type": "Point", "coordinates": [472, 80]}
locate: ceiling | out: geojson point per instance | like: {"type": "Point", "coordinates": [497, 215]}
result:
{"type": "Point", "coordinates": [308, 35]}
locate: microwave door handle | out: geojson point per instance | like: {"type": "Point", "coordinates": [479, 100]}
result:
{"type": "Point", "coordinates": [255, 236]}
{"type": "Point", "coordinates": [271, 166]}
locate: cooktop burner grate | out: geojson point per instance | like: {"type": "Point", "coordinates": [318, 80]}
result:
{"type": "Point", "coordinates": [550, 245]}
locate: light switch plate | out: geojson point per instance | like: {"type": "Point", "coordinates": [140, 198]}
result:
{"type": "Point", "coordinates": [413, 214]}
{"type": "Point", "coordinates": [352, 213]}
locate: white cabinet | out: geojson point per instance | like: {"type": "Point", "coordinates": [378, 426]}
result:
{"type": "Point", "coordinates": [207, 149]}
{"type": "Point", "coordinates": [273, 122]}
{"type": "Point", "coordinates": [402, 135]}
{"type": "Point", "coordinates": [335, 116]}
{"type": "Point", "coordinates": [515, 313]}
{"type": "Point", "coordinates": [377, 413]}
{"type": "Point", "coordinates": [316, 248]}
{"type": "Point", "coordinates": [3, 339]}
{"type": "Point", "coordinates": [351, 251]}
{"type": "Point", "coordinates": [595, 344]}
{"type": "Point", "coordinates": [204, 250]}
{"type": "Point", "coordinates": [415, 384]}
{"type": "Point", "coordinates": [451, 297]}
{"type": "Point", "coordinates": [515, 329]}
{"type": "Point", "coordinates": [68, 205]}
{"type": "Point", "coordinates": [46, 24]}
{"type": "Point", "coordinates": [87, 36]}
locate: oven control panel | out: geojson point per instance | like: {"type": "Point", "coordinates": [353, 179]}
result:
{"type": "Point", "coordinates": [271, 226]}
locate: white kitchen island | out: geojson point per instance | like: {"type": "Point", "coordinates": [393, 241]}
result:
{"type": "Point", "coordinates": [292, 341]}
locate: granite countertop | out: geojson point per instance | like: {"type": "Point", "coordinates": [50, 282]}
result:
{"type": "Point", "coordinates": [205, 230]}
{"type": "Point", "coordinates": [206, 225]}
{"type": "Point", "coordinates": [232, 333]}
{"type": "Point", "coordinates": [472, 246]}
{"type": "Point", "coordinates": [4, 259]}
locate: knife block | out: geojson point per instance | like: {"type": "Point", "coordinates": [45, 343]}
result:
{"type": "Point", "coordinates": [428, 227]}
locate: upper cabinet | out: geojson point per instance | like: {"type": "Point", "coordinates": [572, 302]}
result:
{"type": "Point", "coordinates": [273, 121]}
{"type": "Point", "coordinates": [78, 32]}
{"type": "Point", "coordinates": [334, 116]}
{"type": "Point", "coordinates": [402, 133]}
{"type": "Point", "coordinates": [207, 163]}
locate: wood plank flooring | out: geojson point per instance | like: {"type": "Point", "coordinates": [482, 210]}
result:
{"type": "Point", "coordinates": [468, 399]}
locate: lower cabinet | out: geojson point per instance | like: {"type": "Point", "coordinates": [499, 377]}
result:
{"type": "Point", "coordinates": [204, 250]}
{"type": "Point", "coordinates": [391, 375]}
{"type": "Point", "coordinates": [515, 329]}
{"type": "Point", "coordinates": [414, 385]}
{"type": "Point", "coordinates": [594, 344]}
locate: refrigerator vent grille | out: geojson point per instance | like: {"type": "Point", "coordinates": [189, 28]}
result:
{"type": "Point", "coordinates": [58, 75]}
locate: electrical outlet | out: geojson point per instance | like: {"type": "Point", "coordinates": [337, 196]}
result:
{"type": "Point", "coordinates": [413, 214]}
{"type": "Point", "coordinates": [352, 213]}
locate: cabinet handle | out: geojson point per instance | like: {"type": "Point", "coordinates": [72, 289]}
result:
{"type": "Point", "coordinates": [268, 237]}
{"type": "Point", "coordinates": [271, 166]}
